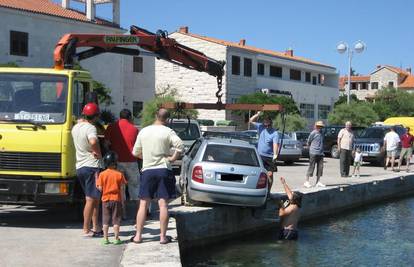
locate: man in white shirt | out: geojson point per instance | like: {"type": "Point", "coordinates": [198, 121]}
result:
{"type": "Point", "coordinates": [391, 141]}
{"type": "Point", "coordinates": [345, 146]}
{"type": "Point", "coordinates": [153, 145]}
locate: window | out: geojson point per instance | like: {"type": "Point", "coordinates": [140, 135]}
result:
{"type": "Point", "coordinates": [137, 65]}
{"type": "Point", "coordinates": [314, 80]}
{"type": "Point", "coordinates": [247, 67]}
{"type": "Point", "coordinates": [260, 69]}
{"type": "Point", "coordinates": [275, 71]}
{"type": "Point", "coordinates": [19, 42]}
{"type": "Point", "coordinates": [295, 75]}
{"type": "Point", "coordinates": [308, 77]}
{"type": "Point", "coordinates": [374, 85]}
{"type": "Point", "coordinates": [323, 111]}
{"type": "Point", "coordinates": [390, 84]}
{"type": "Point", "coordinates": [231, 155]}
{"type": "Point", "coordinates": [354, 86]}
{"type": "Point", "coordinates": [364, 86]}
{"type": "Point", "coordinates": [307, 110]}
{"type": "Point", "coordinates": [235, 65]}
{"type": "Point", "coordinates": [136, 111]}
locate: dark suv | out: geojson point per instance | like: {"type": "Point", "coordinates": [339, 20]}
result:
{"type": "Point", "coordinates": [330, 145]}
{"type": "Point", "coordinates": [371, 142]}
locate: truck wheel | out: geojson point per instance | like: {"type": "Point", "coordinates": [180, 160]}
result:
{"type": "Point", "coordinates": [334, 152]}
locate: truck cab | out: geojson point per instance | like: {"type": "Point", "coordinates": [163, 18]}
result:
{"type": "Point", "coordinates": [38, 108]}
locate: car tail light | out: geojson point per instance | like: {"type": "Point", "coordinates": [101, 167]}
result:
{"type": "Point", "coordinates": [198, 174]}
{"type": "Point", "coordinates": [262, 182]}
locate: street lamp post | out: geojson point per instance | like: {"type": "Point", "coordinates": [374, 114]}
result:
{"type": "Point", "coordinates": [342, 47]}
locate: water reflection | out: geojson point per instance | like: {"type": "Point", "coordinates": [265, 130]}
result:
{"type": "Point", "coordinates": [380, 235]}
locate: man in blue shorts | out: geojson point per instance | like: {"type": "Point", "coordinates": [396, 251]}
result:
{"type": "Point", "coordinates": [88, 155]}
{"type": "Point", "coordinates": [268, 145]}
{"type": "Point", "coordinates": [153, 145]}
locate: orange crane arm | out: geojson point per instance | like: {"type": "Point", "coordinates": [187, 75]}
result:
{"type": "Point", "coordinates": [158, 43]}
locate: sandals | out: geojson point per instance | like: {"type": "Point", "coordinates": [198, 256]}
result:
{"type": "Point", "coordinates": [97, 234]}
{"type": "Point", "coordinates": [133, 241]}
{"type": "Point", "coordinates": [168, 239]}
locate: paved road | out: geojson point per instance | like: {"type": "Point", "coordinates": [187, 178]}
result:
{"type": "Point", "coordinates": [50, 237]}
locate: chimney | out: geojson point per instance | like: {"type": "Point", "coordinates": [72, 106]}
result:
{"type": "Point", "coordinates": [116, 11]}
{"type": "Point", "coordinates": [242, 42]}
{"type": "Point", "coordinates": [289, 52]}
{"type": "Point", "coordinates": [66, 4]}
{"type": "Point", "coordinates": [90, 9]}
{"type": "Point", "coordinates": [408, 70]}
{"type": "Point", "coordinates": [183, 29]}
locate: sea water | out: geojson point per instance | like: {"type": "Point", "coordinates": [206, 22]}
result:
{"type": "Point", "coordinates": [377, 235]}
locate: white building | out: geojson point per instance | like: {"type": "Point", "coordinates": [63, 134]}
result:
{"type": "Point", "coordinates": [314, 86]}
{"type": "Point", "coordinates": [365, 87]}
{"type": "Point", "coordinates": [30, 30]}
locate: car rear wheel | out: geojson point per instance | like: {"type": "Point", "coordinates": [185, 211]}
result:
{"type": "Point", "coordinates": [334, 152]}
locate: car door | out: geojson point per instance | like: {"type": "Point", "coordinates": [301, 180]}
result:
{"type": "Point", "coordinates": [188, 158]}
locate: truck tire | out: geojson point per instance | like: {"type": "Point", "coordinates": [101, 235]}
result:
{"type": "Point", "coordinates": [335, 152]}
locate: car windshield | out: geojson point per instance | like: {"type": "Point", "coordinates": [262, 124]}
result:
{"type": "Point", "coordinates": [186, 131]}
{"type": "Point", "coordinates": [372, 133]}
{"type": "Point", "coordinates": [33, 97]}
{"type": "Point", "coordinates": [302, 136]}
{"type": "Point", "coordinates": [231, 155]}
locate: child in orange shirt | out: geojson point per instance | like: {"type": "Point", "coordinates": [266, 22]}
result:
{"type": "Point", "coordinates": [111, 183]}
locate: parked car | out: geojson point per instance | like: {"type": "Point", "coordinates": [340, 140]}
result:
{"type": "Point", "coordinates": [371, 142]}
{"type": "Point", "coordinates": [330, 144]}
{"type": "Point", "coordinates": [301, 136]}
{"type": "Point", "coordinates": [189, 131]}
{"type": "Point", "coordinates": [290, 152]}
{"type": "Point", "coordinates": [224, 171]}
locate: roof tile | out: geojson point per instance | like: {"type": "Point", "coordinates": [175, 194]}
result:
{"type": "Point", "coordinates": [48, 7]}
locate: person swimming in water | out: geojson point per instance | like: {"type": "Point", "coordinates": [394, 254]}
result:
{"type": "Point", "coordinates": [289, 213]}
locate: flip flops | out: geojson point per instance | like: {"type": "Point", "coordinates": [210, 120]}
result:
{"type": "Point", "coordinates": [97, 234]}
{"type": "Point", "coordinates": [105, 242]}
{"type": "Point", "coordinates": [133, 241]}
{"type": "Point", "coordinates": [167, 240]}
{"type": "Point", "coordinates": [117, 242]}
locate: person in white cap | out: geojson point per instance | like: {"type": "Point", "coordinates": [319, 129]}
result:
{"type": "Point", "coordinates": [315, 144]}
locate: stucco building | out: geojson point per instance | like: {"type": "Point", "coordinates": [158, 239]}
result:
{"type": "Point", "coordinates": [31, 28]}
{"type": "Point", "coordinates": [313, 85]}
{"type": "Point", "coordinates": [365, 87]}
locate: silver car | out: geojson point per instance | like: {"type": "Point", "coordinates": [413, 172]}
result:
{"type": "Point", "coordinates": [291, 150]}
{"type": "Point", "coordinates": [224, 171]}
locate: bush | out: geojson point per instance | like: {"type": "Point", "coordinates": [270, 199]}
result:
{"type": "Point", "coordinates": [226, 123]}
{"type": "Point", "coordinates": [206, 122]}
{"type": "Point", "coordinates": [359, 113]}
{"type": "Point", "coordinates": [294, 122]}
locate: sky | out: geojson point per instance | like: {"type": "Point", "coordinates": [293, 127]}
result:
{"type": "Point", "coordinates": [313, 28]}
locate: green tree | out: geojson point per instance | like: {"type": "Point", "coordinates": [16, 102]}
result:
{"type": "Point", "coordinates": [166, 94]}
{"type": "Point", "coordinates": [288, 103]}
{"type": "Point", "coordinates": [294, 122]}
{"type": "Point", "coordinates": [343, 99]}
{"type": "Point", "coordinates": [359, 113]}
{"type": "Point", "coordinates": [390, 102]}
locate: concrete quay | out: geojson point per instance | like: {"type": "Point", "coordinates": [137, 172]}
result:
{"type": "Point", "coordinates": [200, 226]}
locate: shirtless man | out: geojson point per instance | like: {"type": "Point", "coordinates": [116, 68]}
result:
{"type": "Point", "coordinates": [289, 213]}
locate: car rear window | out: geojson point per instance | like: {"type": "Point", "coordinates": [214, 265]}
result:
{"type": "Point", "coordinates": [186, 131]}
{"type": "Point", "coordinates": [231, 155]}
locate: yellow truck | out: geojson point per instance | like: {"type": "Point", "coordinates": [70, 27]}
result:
{"type": "Point", "coordinates": [38, 108]}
